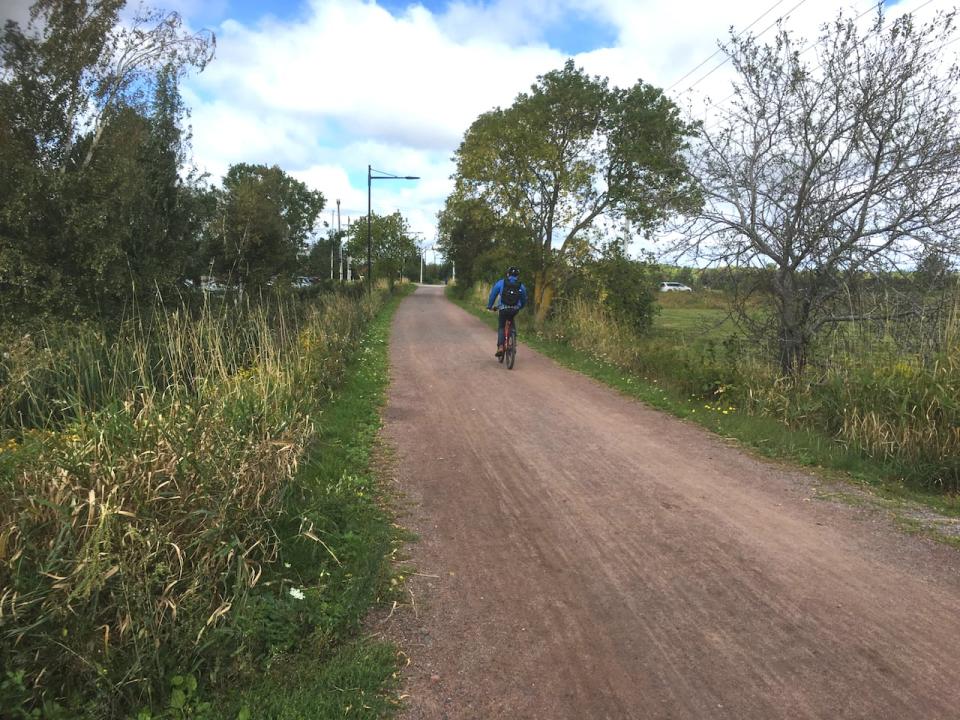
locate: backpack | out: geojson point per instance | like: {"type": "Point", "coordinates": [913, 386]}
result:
{"type": "Point", "coordinates": [510, 295]}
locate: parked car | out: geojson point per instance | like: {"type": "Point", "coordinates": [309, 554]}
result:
{"type": "Point", "coordinates": [674, 287]}
{"type": "Point", "coordinates": [212, 286]}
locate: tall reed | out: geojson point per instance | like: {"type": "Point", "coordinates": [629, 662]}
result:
{"type": "Point", "coordinates": [141, 482]}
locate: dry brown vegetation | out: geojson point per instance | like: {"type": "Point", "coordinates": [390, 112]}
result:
{"type": "Point", "coordinates": [132, 530]}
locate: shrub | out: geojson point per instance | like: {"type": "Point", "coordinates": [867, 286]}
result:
{"type": "Point", "coordinates": [627, 288]}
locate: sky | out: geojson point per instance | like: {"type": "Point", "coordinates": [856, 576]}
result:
{"type": "Point", "coordinates": [324, 88]}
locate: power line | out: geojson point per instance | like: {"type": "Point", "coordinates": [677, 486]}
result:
{"type": "Point", "coordinates": [719, 50]}
{"type": "Point", "coordinates": [873, 6]}
{"type": "Point", "coordinates": [727, 59]}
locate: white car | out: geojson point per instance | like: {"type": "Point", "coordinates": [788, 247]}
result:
{"type": "Point", "coordinates": [674, 287]}
{"type": "Point", "coordinates": [212, 286]}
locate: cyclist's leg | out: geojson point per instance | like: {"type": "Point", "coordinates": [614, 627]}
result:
{"type": "Point", "coordinates": [510, 313]}
{"type": "Point", "coordinates": [501, 321]}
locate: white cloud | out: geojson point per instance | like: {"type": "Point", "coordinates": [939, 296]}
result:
{"type": "Point", "coordinates": [16, 10]}
{"type": "Point", "coordinates": [349, 84]}
{"type": "Point", "coordinates": [507, 21]}
{"type": "Point", "coordinates": [355, 63]}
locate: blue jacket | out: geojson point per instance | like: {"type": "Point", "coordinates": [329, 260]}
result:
{"type": "Point", "coordinates": [498, 288]}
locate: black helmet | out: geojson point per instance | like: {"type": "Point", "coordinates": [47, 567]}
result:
{"type": "Point", "coordinates": [513, 271]}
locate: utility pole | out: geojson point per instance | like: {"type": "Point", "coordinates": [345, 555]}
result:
{"type": "Point", "coordinates": [331, 245]}
{"type": "Point", "coordinates": [339, 244]}
{"type": "Point", "coordinates": [421, 265]}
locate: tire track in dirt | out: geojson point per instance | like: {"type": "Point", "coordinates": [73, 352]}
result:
{"type": "Point", "coordinates": [593, 558]}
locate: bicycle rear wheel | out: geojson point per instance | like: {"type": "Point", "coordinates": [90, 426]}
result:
{"type": "Point", "coordinates": [506, 341]}
{"type": "Point", "coordinates": [511, 350]}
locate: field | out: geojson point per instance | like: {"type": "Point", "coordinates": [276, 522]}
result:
{"type": "Point", "coordinates": [687, 317]}
{"type": "Point", "coordinates": [866, 388]}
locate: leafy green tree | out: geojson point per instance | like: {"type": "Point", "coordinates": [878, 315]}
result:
{"type": "Point", "coordinates": [934, 269]}
{"type": "Point", "coordinates": [200, 203]}
{"type": "Point", "coordinates": [264, 219]}
{"type": "Point", "coordinates": [130, 223]}
{"type": "Point", "coordinates": [626, 287]}
{"type": "Point", "coordinates": [481, 244]}
{"type": "Point", "coordinates": [574, 150]}
{"type": "Point", "coordinates": [392, 245]}
{"type": "Point", "coordinates": [466, 229]}
{"type": "Point", "coordinates": [91, 143]}
{"type": "Point", "coordinates": [316, 262]}
{"type": "Point", "coordinates": [76, 65]}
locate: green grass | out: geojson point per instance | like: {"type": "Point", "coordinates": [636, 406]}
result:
{"type": "Point", "coordinates": [760, 434]}
{"type": "Point", "coordinates": [693, 322]}
{"type": "Point", "coordinates": [334, 673]}
{"type": "Point", "coordinates": [699, 299]}
{"type": "Point", "coordinates": [358, 681]}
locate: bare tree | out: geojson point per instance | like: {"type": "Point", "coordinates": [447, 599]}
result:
{"type": "Point", "coordinates": [824, 166]}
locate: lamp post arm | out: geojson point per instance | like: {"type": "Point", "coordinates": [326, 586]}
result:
{"type": "Point", "coordinates": [370, 178]}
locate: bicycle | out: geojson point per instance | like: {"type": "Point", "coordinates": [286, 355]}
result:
{"type": "Point", "coordinates": [510, 342]}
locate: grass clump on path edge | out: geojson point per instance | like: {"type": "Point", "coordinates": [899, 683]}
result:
{"type": "Point", "coordinates": [331, 672]}
{"type": "Point", "coordinates": [767, 438]}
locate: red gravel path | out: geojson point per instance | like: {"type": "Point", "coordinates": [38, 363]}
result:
{"type": "Point", "coordinates": [583, 556]}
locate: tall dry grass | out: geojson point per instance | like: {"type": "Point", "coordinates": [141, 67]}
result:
{"type": "Point", "coordinates": [867, 392]}
{"type": "Point", "coordinates": [140, 487]}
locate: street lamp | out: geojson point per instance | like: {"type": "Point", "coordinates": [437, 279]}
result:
{"type": "Point", "coordinates": [370, 178]}
{"type": "Point", "coordinates": [331, 244]}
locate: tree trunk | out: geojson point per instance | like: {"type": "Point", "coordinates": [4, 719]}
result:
{"type": "Point", "coordinates": [101, 124]}
{"type": "Point", "coordinates": [542, 295]}
{"type": "Point", "coordinates": [793, 338]}
{"type": "Point", "coordinates": [792, 350]}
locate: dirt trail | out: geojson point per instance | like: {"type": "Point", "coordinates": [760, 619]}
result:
{"type": "Point", "coordinates": [583, 556]}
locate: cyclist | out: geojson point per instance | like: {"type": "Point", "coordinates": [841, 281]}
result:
{"type": "Point", "coordinates": [513, 296]}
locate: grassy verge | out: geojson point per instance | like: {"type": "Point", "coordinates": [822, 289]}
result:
{"type": "Point", "coordinates": [334, 673]}
{"type": "Point", "coordinates": [766, 438]}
